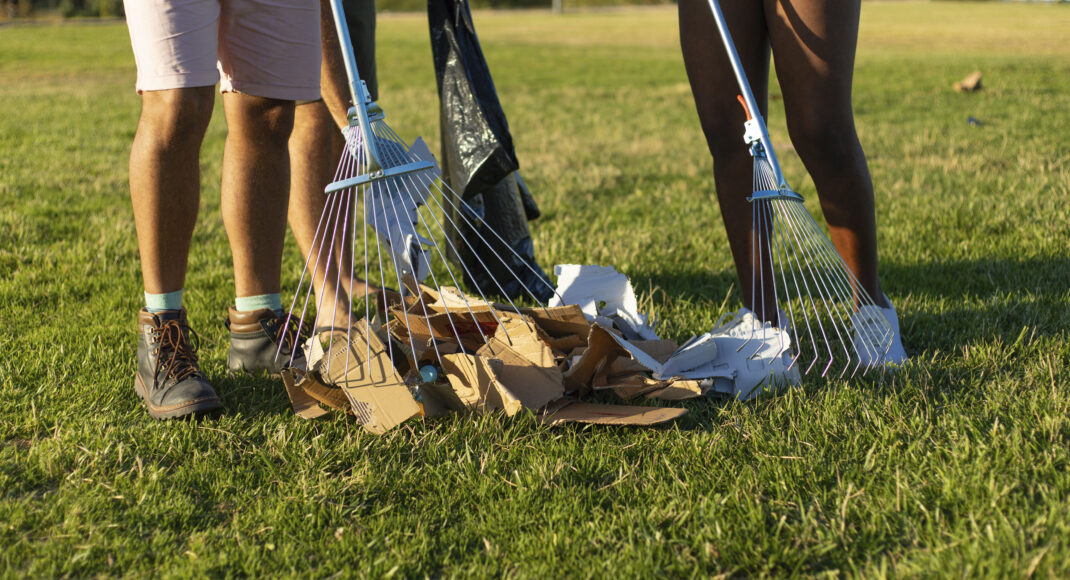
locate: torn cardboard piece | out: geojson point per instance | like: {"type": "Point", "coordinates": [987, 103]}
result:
{"type": "Point", "coordinates": [602, 349]}
{"type": "Point", "coordinates": [378, 396]}
{"type": "Point", "coordinates": [560, 321]}
{"type": "Point", "coordinates": [533, 385]}
{"type": "Point", "coordinates": [471, 327]}
{"type": "Point", "coordinates": [304, 405]}
{"type": "Point", "coordinates": [475, 385]}
{"type": "Point", "coordinates": [602, 293]}
{"type": "Point", "coordinates": [526, 338]}
{"type": "Point", "coordinates": [597, 414]}
{"type": "Point", "coordinates": [971, 83]}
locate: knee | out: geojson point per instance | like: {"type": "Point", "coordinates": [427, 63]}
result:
{"type": "Point", "coordinates": [176, 118]}
{"type": "Point", "coordinates": [264, 121]}
{"type": "Point", "coordinates": [724, 135]}
{"type": "Point", "coordinates": [824, 137]}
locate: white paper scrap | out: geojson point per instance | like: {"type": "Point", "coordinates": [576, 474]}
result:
{"type": "Point", "coordinates": [589, 286]}
{"type": "Point", "coordinates": [759, 355]}
{"type": "Point", "coordinates": [393, 208]}
{"type": "Point", "coordinates": [697, 354]}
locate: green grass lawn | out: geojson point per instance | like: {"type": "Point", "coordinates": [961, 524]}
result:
{"type": "Point", "coordinates": [957, 465]}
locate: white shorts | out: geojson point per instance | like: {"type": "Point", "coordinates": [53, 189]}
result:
{"type": "Point", "coordinates": [267, 49]}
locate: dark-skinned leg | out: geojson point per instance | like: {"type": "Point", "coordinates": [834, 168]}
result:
{"type": "Point", "coordinates": [715, 89]}
{"type": "Point", "coordinates": [814, 48]}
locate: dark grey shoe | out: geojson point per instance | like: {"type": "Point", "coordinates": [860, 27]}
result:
{"type": "Point", "coordinates": [168, 378]}
{"type": "Point", "coordinates": [261, 340]}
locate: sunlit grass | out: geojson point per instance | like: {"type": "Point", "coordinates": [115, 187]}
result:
{"type": "Point", "coordinates": [956, 465]}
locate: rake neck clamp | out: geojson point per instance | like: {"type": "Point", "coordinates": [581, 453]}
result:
{"type": "Point", "coordinates": [755, 131]}
{"type": "Point", "coordinates": [362, 101]}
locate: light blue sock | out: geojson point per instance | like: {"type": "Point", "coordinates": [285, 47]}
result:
{"type": "Point", "coordinates": [250, 303]}
{"type": "Point", "coordinates": [166, 301]}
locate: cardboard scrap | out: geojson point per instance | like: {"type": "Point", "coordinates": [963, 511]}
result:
{"type": "Point", "coordinates": [611, 414]}
{"type": "Point", "coordinates": [602, 349]}
{"type": "Point", "coordinates": [560, 321]}
{"type": "Point", "coordinates": [377, 394]}
{"type": "Point", "coordinates": [533, 385]}
{"type": "Point", "coordinates": [526, 339]}
{"type": "Point", "coordinates": [471, 327]}
{"type": "Point", "coordinates": [304, 405]}
{"type": "Point", "coordinates": [971, 83]}
{"type": "Point", "coordinates": [475, 384]}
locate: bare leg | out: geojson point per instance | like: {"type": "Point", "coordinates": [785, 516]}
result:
{"type": "Point", "coordinates": [165, 181]}
{"type": "Point", "coordinates": [814, 47]}
{"type": "Point", "coordinates": [715, 89]}
{"type": "Point", "coordinates": [315, 146]}
{"type": "Point", "coordinates": [256, 175]}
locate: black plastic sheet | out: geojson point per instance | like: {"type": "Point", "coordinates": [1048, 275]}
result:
{"type": "Point", "coordinates": [480, 165]}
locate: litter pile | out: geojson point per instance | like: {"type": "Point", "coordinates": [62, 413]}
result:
{"type": "Point", "coordinates": [443, 352]}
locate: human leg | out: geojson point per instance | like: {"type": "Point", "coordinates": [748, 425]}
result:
{"type": "Point", "coordinates": [256, 174]}
{"type": "Point", "coordinates": [315, 147]}
{"type": "Point", "coordinates": [165, 181]}
{"type": "Point", "coordinates": [714, 88]}
{"type": "Point", "coordinates": [174, 48]}
{"type": "Point", "coordinates": [814, 47]}
{"type": "Point", "coordinates": [165, 192]}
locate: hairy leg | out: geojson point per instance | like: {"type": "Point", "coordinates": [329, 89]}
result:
{"type": "Point", "coordinates": [315, 146]}
{"type": "Point", "coordinates": [814, 48]}
{"type": "Point", "coordinates": [165, 181]}
{"type": "Point", "coordinates": [715, 89]}
{"type": "Point", "coordinates": [255, 190]}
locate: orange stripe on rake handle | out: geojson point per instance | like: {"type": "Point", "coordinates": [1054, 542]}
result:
{"type": "Point", "coordinates": [743, 104]}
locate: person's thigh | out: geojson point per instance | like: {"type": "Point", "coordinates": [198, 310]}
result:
{"type": "Point", "coordinates": [814, 45]}
{"type": "Point", "coordinates": [174, 42]}
{"type": "Point", "coordinates": [270, 49]}
{"type": "Point", "coordinates": [709, 70]}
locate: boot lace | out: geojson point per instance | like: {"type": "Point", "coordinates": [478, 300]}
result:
{"type": "Point", "coordinates": [287, 332]}
{"type": "Point", "coordinates": [178, 353]}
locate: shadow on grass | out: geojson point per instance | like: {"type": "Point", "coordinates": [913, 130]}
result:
{"type": "Point", "coordinates": [949, 303]}
{"type": "Point", "coordinates": [250, 395]}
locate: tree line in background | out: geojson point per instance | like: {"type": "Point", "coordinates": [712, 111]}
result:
{"type": "Point", "coordinates": [114, 8]}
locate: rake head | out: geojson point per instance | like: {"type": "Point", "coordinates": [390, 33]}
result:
{"type": "Point", "coordinates": [820, 303]}
{"type": "Point", "coordinates": [379, 264]}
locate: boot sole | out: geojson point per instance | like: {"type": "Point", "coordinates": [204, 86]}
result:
{"type": "Point", "coordinates": [195, 407]}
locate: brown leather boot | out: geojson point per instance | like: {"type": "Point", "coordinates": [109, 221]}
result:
{"type": "Point", "coordinates": [260, 340]}
{"type": "Point", "coordinates": [168, 378]}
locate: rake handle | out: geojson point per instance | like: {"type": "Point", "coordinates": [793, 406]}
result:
{"type": "Point", "coordinates": [356, 86]}
{"type": "Point", "coordinates": [750, 105]}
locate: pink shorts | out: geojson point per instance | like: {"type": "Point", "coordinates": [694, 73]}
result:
{"type": "Point", "coordinates": [263, 48]}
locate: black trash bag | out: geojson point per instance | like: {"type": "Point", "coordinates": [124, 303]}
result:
{"type": "Point", "coordinates": [480, 165]}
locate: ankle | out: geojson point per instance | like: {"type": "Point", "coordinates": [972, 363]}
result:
{"type": "Point", "coordinates": [165, 301]}
{"type": "Point", "coordinates": [271, 302]}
